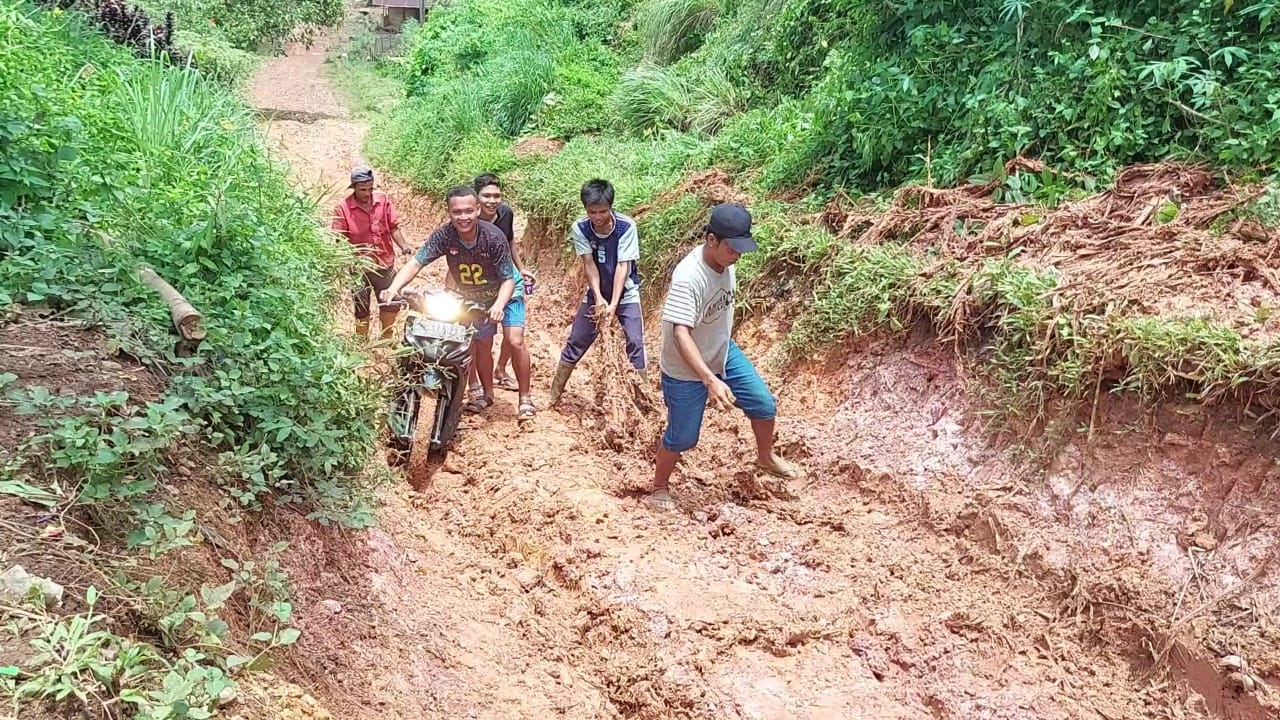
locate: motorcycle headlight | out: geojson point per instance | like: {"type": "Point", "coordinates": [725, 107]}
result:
{"type": "Point", "coordinates": [443, 307]}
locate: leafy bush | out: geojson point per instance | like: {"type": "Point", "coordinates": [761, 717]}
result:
{"type": "Point", "coordinates": [598, 22]}
{"type": "Point", "coordinates": [580, 92]}
{"type": "Point", "coordinates": [469, 92]}
{"type": "Point", "coordinates": [774, 139]}
{"type": "Point", "coordinates": [252, 24]}
{"type": "Point", "coordinates": [157, 166]}
{"type": "Point", "coordinates": [980, 83]}
{"type": "Point", "coordinates": [803, 32]}
{"type": "Point", "coordinates": [216, 58]}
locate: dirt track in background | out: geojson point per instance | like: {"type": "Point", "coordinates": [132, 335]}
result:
{"type": "Point", "coordinates": [915, 573]}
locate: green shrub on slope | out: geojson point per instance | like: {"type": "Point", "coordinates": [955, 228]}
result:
{"type": "Point", "coordinates": [962, 86]}
{"type": "Point", "coordinates": [115, 163]}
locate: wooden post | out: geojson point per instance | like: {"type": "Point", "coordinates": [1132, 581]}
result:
{"type": "Point", "coordinates": [186, 319]}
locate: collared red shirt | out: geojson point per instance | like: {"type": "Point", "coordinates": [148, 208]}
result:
{"type": "Point", "coordinates": [369, 230]}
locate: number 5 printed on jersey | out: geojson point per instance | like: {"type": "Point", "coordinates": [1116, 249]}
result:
{"type": "Point", "coordinates": [471, 274]}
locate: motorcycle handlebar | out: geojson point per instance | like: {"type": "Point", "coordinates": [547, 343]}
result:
{"type": "Point", "coordinates": [402, 299]}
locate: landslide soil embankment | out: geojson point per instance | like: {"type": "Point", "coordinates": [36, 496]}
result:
{"type": "Point", "coordinates": [917, 572]}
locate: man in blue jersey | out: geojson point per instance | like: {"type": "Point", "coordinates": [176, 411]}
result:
{"type": "Point", "coordinates": [480, 267]}
{"type": "Point", "coordinates": [609, 247]}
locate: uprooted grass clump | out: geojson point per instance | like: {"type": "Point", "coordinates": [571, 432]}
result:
{"type": "Point", "coordinates": [627, 401]}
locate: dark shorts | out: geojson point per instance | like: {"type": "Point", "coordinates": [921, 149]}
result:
{"type": "Point", "coordinates": [375, 280]}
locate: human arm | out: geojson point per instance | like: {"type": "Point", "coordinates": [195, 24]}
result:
{"type": "Point", "coordinates": [628, 253]}
{"type": "Point", "coordinates": [506, 270]}
{"type": "Point", "coordinates": [619, 283]}
{"type": "Point", "coordinates": [583, 250]}
{"type": "Point", "coordinates": [426, 255]}
{"type": "Point", "coordinates": [402, 278]}
{"type": "Point", "coordinates": [393, 222]}
{"type": "Point", "coordinates": [499, 306]}
{"type": "Point", "coordinates": [517, 252]}
{"type": "Point", "coordinates": [682, 309]}
{"type": "Point", "coordinates": [403, 244]}
{"type": "Point", "coordinates": [718, 392]}
{"type": "Point", "coordinates": [593, 282]}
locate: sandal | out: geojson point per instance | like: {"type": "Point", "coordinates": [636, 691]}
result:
{"type": "Point", "coordinates": [506, 382]}
{"type": "Point", "coordinates": [478, 403]}
{"type": "Point", "coordinates": [780, 469]}
{"type": "Point", "coordinates": [660, 500]}
{"type": "Point", "coordinates": [526, 410]}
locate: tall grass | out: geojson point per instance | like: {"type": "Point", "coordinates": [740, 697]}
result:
{"type": "Point", "coordinates": [652, 97]}
{"type": "Point", "coordinates": [714, 99]}
{"type": "Point", "coordinates": [170, 111]}
{"type": "Point", "coordinates": [516, 83]}
{"type": "Point", "coordinates": [673, 28]}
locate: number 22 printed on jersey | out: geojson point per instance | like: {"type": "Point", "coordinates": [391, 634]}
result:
{"type": "Point", "coordinates": [471, 274]}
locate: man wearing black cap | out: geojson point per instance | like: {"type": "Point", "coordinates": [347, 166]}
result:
{"type": "Point", "coordinates": [368, 221]}
{"type": "Point", "coordinates": [700, 360]}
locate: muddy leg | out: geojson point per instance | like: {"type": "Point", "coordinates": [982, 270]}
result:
{"type": "Point", "coordinates": [482, 361]}
{"type": "Point", "coordinates": [686, 402]}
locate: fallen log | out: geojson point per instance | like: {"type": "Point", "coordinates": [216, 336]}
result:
{"type": "Point", "coordinates": [186, 319]}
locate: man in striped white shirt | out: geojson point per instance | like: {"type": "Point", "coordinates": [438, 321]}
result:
{"type": "Point", "coordinates": [700, 360]}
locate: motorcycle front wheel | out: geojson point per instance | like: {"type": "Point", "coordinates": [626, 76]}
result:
{"type": "Point", "coordinates": [403, 422]}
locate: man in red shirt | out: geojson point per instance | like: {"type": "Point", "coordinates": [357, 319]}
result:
{"type": "Point", "coordinates": [368, 220]}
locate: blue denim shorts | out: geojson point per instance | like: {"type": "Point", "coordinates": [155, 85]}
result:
{"type": "Point", "coordinates": [687, 400]}
{"type": "Point", "coordinates": [512, 316]}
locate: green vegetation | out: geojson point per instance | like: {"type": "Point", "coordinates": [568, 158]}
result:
{"type": "Point", "coordinates": [109, 163]}
{"type": "Point", "coordinates": [217, 37]}
{"type": "Point", "coordinates": [815, 98]}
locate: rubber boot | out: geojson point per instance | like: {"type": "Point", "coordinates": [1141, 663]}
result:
{"type": "Point", "coordinates": [563, 371]}
{"type": "Point", "coordinates": [388, 320]}
{"type": "Point", "coordinates": [362, 327]}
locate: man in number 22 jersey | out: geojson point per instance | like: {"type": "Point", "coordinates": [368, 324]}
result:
{"type": "Point", "coordinates": [480, 266]}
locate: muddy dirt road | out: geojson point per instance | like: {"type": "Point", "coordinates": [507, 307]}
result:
{"type": "Point", "coordinates": [913, 574]}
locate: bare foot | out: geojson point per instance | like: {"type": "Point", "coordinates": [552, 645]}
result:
{"type": "Point", "coordinates": [661, 500]}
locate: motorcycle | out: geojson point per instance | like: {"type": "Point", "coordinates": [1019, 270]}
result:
{"type": "Point", "coordinates": [434, 363]}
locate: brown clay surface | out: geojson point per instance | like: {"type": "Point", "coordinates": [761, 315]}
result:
{"type": "Point", "coordinates": [917, 572]}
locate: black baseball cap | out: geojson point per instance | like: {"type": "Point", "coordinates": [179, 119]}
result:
{"type": "Point", "coordinates": [361, 174]}
{"type": "Point", "coordinates": [732, 223]}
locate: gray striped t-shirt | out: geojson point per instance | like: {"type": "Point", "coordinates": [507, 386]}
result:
{"type": "Point", "coordinates": [701, 299]}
